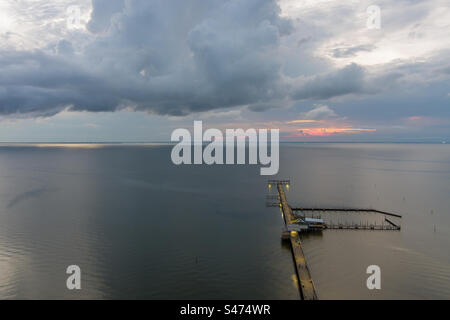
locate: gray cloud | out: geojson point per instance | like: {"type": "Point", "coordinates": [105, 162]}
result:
{"type": "Point", "coordinates": [167, 57]}
{"type": "Point", "coordinates": [350, 79]}
{"type": "Point", "coordinates": [174, 58]}
{"type": "Point", "coordinates": [346, 52]}
{"type": "Point", "coordinates": [319, 112]}
{"type": "Point", "coordinates": [102, 13]}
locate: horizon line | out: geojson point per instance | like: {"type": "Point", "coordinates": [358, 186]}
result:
{"type": "Point", "coordinates": [171, 142]}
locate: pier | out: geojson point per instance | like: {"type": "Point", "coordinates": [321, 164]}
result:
{"type": "Point", "coordinates": [305, 283]}
{"type": "Point", "coordinates": [297, 222]}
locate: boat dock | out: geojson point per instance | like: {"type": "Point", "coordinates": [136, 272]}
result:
{"type": "Point", "coordinates": [295, 224]}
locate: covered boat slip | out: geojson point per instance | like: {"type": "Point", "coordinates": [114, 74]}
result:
{"type": "Point", "coordinates": [357, 219]}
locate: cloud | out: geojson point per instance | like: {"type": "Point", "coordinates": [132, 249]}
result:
{"type": "Point", "coordinates": [168, 58]}
{"type": "Point", "coordinates": [198, 57]}
{"type": "Point", "coordinates": [102, 13]}
{"type": "Point", "coordinates": [320, 112]}
{"type": "Point", "coordinates": [159, 56]}
{"type": "Point", "coordinates": [301, 121]}
{"type": "Point", "coordinates": [345, 52]}
{"type": "Point", "coordinates": [348, 80]}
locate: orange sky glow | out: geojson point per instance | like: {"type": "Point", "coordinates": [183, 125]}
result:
{"type": "Point", "coordinates": [324, 132]}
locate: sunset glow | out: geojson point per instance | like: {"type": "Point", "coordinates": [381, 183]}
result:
{"type": "Point", "coordinates": [324, 132]}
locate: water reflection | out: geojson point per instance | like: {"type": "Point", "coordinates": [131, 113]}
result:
{"type": "Point", "coordinates": [140, 227]}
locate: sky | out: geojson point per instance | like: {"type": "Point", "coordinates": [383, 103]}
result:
{"type": "Point", "coordinates": [135, 70]}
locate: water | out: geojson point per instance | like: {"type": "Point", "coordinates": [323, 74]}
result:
{"type": "Point", "coordinates": [140, 227]}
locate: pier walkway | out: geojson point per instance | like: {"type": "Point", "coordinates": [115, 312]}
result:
{"type": "Point", "coordinates": [306, 285]}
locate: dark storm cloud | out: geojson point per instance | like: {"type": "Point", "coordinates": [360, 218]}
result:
{"type": "Point", "coordinates": [42, 84]}
{"type": "Point", "coordinates": [261, 107]}
{"type": "Point", "coordinates": [169, 57]}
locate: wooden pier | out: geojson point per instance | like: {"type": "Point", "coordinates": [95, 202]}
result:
{"type": "Point", "coordinates": [300, 223]}
{"type": "Point", "coordinates": [306, 285]}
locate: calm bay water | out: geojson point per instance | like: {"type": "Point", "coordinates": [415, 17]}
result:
{"type": "Point", "coordinates": [140, 227]}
